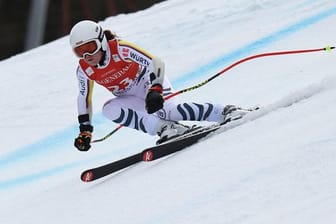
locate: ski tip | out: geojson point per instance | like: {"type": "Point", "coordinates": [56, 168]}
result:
{"type": "Point", "coordinates": [87, 176]}
{"type": "Point", "coordinates": [147, 156]}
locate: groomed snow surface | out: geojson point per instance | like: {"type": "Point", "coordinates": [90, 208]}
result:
{"type": "Point", "coordinates": [278, 168]}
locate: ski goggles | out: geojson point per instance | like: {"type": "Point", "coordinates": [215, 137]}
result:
{"type": "Point", "coordinates": [88, 48]}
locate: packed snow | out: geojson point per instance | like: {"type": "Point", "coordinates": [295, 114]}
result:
{"type": "Point", "coordinates": [278, 167]}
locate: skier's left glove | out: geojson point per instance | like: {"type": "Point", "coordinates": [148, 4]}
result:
{"type": "Point", "coordinates": [82, 142]}
{"type": "Point", "coordinates": [154, 99]}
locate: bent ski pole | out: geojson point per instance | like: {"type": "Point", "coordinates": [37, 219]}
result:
{"type": "Point", "coordinates": [328, 48]}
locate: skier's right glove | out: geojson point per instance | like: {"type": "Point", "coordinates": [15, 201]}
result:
{"type": "Point", "coordinates": [154, 99]}
{"type": "Point", "coordinates": [82, 142]}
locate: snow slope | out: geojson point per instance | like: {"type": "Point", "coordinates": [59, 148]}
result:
{"type": "Point", "coordinates": [278, 168]}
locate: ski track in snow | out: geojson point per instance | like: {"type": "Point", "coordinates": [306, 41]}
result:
{"type": "Point", "coordinates": [287, 101]}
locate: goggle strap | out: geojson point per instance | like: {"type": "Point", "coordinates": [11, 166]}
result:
{"type": "Point", "coordinates": [101, 34]}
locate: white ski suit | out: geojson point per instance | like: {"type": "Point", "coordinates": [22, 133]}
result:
{"type": "Point", "coordinates": [126, 73]}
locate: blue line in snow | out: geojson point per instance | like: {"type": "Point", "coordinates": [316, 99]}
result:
{"type": "Point", "coordinates": [33, 177]}
{"type": "Point", "coordinates": [46, 145]}
{"type": "Point", "coordinates": [184, 80]}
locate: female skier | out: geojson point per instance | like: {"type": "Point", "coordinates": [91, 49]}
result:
{"type": "Point", "coordinates": [137, 79]}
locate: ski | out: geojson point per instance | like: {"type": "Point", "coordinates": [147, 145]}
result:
{"type": "Point", "coordinates": [102, 171]}
{"type": "Point", "coordinates": [177, 144]}
{"type": "Point", "coordinates": [149, 154]}
{"type": "Point", "coordinates": [158, 151]}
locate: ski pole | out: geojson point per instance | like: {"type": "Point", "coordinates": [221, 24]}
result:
{"type": "Point", "coordinates": [108, 135]}
{"type": "Point", "coordinates": [327, 48]}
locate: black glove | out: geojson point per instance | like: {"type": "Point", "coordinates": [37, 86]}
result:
{"type": "Point", "coordinates": [154, 99]}
{"type": "Point", "coordinates": [82, 142]}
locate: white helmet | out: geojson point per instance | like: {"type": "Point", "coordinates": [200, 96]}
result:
{"type": "Point", "coordinates": [85, 31]}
